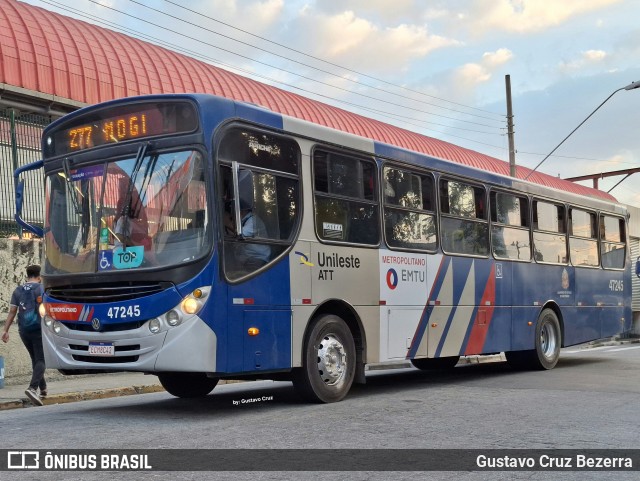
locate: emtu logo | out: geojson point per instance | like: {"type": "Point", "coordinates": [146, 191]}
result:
{"type": "Point", "coordinates": [392, 279]}
{"type": "Point", "coordinates": [304, 259]}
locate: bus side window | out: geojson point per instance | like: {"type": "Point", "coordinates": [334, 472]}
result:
{"type": "Point", "coordinates": [346, 207]}
{"type": "Point", "coordinates": [510, 237]}
{"type": "Point", "coordinates": [612, 242]}
{"type": "Point", "coordinates": [583, 238]}
{"type": "Point", "coordinates": [464, 227]}
{"type": "Point", "coordinates": [409, 220]}
{"type": "Point", "coordinates": [549, 228]}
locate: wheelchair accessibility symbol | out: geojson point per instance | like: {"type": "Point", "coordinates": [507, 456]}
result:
{"type": "Point", "coordinates": [105, 262]}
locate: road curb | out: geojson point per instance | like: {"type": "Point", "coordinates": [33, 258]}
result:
{"type": "Point", "coordinates": [11, 405]}
{"type": "Point", "coordinates": [100, 394]}
{"type": "Point", "coordinates": [70, 397]}
{"type": "Point", "coordinates": [83, 396]}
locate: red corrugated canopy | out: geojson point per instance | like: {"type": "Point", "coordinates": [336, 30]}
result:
{"type": "Point", "coordinates": [54, 54]}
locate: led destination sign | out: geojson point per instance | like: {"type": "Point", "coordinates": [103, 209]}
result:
{"type": "Point", "coordinates": [122, 123]}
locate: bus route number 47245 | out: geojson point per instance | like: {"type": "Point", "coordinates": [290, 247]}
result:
{"type": "Point", "coordinates": [120, 312]}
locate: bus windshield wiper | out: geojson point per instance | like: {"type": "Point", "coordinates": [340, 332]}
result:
{"type": "Point", "coordinates": [142, 151]}
{"type": "Point", "coordinates": [80, 210]}
{"type": "Point", "coordinates": [70, 187]}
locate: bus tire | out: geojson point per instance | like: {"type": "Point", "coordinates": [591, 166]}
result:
{"type": "Point", "coordinates": [436, 364]}
{"type": "Point", "coordinates": [547, 345]}
{"type": "Point", "coordinates": [329, 361]}
{"type": "Point", "coordinates": [187, 384]}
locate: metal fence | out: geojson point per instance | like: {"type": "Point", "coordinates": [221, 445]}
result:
{"type": "Point", "coordinates": [20, 136]}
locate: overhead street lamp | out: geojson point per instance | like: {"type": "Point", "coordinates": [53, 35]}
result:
{"type": "Point", "coordinates": [631, 86]}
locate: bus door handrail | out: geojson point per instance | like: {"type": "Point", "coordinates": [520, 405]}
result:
{"type": "Point", "coordinates": [19, 186]}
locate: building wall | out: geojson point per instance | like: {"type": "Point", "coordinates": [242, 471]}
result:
{"type": "Point", "coordinates": [15, 256]}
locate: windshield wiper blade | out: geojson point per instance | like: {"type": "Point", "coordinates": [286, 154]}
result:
{"type": "Point", "coordinates": [142, 151]}
{"type": "Point", "coordinates": [70, 186]}
{"type": "Point", "coordinates": [85, 213]}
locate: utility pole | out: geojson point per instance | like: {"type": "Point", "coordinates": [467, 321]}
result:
{"type": "Point", "coordinates": [512, 148]}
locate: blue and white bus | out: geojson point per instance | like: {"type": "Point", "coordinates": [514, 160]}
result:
{"type": "Point", "coordinates": [199, 238]}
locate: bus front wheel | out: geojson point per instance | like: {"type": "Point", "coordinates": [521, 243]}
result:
{"type": "Point", "coordinates": [547, 345]}
{"type": "Point", "coordinates": [329, 361]}
{"type": "Point", "coordinates": [187, 384]}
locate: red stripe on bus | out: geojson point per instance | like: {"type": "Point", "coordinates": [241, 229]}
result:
{"type": "Point", "coordinates": [483, 316]}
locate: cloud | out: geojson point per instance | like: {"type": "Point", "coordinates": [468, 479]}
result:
{"type": "Point", "coordinates": [263, 13]}
{"type": "Point", "coordinates": [526, 16]}
{"type": "Point", "coordinates": [497, 58]}
{"type": "Point", "coordinates": [472, 74]}
{"type": "Point", "coordinates": [349, 39]}
{"type": "Point", "coordinates": [594, 55]}
{"type": "Point", "coordinates": [587, 59]}
{"type": "Point", "coordinates": [378, 8]}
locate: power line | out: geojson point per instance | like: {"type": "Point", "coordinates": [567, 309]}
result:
{"type": "Point", "coordinates": [382, 113]}
{"type": "Point", "coordinates": [393, 116]}
{"type": "Point", "coordinates": [313, 57]}
{"type": "Point", "coordinates": [284, 70]}
{"type": "Point", "coordinates": [579, 158]}
{"type": "Point", "coordinates": [327, 62]}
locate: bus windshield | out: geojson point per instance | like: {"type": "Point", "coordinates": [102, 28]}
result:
{"type": "Point", "coordinates": [145, 211]}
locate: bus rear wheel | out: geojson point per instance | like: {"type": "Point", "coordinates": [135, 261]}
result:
{"type": "Point", "coordinates": [547, 345]}
{"type": "Point", "coordinates": [436, 364]}
{"type": "Point", "coordinates": [187, 384]}
{"type": "Point", "coordinates": [329, 361]}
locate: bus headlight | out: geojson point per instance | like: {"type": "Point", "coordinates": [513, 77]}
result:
{"type": "Point", "coordinates": [42, 310]}
{"type": "Point", "coordinates": [173, 318]}
{"type": "Point", "coordinates": [48, 321]}
{"type": "Point", "coordinates": [57, 327]}
{"type": "Point", "coordinates": [190, 305]}
{"type": "Point", "coordinates": [154, 326]}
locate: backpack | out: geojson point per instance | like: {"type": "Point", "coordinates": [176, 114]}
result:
{"type": "Point", "coordinates": [30, 298]}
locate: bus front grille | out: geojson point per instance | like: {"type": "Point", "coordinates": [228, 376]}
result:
{"type": "Point", "coordinates": [108, 292]}
{"type": "Point", "coordinates": [88, 327]}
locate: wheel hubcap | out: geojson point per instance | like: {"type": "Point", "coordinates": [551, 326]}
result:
{"type": "Point", "coordinates": [332, 360]}
{"type": "Point", "coordinates": [548, 340]}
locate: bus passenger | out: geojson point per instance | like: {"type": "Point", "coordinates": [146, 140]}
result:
{"type": "Point", "coordinates": [247, 254]}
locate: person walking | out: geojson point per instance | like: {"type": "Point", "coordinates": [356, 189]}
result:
{"type": "Point", "coordinates": [25, 302]}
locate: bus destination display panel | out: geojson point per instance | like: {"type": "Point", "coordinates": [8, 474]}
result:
{"type": "Point", "coordinates": [119, 124]}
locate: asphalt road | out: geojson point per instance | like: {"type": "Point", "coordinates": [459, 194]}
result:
{"type": "Point", "coordinates": [589, 401]}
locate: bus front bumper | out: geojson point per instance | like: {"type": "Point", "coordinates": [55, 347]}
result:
{"type": "Point", "coordinates": [189, 347]}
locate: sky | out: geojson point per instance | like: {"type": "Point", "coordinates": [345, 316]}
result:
{"type": "Point", "coordinates": [436, 67]}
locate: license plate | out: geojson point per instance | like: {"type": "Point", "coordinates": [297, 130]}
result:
{"type": "Point", "coordinates": [102, 349]}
